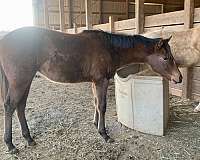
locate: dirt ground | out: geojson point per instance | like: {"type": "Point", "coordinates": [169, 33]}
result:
{"type": "Point", "coordinates": [60, 119]}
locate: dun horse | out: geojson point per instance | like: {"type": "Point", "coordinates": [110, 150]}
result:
{"type": "Point", "coordinates": [91, 56]}
{"type": "Point", "coordinates": [185, 46]}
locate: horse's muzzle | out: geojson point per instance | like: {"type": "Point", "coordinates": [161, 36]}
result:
{"type": "Point", "coordinates": [177, 78]}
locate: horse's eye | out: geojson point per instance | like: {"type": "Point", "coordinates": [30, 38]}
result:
{"type": "Point", "coordinates": [165, 58]}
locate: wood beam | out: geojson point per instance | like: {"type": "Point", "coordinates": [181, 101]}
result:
{"type": "Point", "coordinates": [189, 13]}
{"type": "Point", "coordinates": [46, 14]}
{"type": "Point", "coordinates": [35, 12]}
{"type": "Point", "coordinates": [139, 16]}
{"type": "Point", "coordinates": [62, 15]}
{"type": "Point", "coordinates": [88, 14]}
{"type": "Point", "coordinates": [111, 24]}
{"type": "Point", "coordinates": [75, 28]}
{"type": "Point", "coordinates": [188, 23]}
{"type": "Point", "coordinates": [69, 4]}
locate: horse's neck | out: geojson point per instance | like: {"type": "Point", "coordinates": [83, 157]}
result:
{"type": "Point", "coordinates": [132, 55]}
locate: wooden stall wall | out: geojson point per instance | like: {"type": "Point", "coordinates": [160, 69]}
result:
{"type": "Point", "coordinates": [101, 10]}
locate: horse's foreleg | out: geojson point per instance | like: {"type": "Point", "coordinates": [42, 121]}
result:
{"type": "Point", "coordinates": [22, 119]}
{"type": "Point", "coordinates": [101, 89]}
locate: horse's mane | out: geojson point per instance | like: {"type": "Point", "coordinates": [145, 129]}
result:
{"type": "Point", "coordinates": [121, 40]}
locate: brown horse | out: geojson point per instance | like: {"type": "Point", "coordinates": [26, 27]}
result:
{"type": "Point", "coordinates": [91, 56]}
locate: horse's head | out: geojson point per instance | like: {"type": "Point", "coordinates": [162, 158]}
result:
{"type": "Point", "coordinates": [162, 61]}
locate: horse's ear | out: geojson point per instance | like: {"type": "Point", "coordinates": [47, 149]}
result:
{"type": "Point", "coordinates": [160, 44]}
{"type": "Point", "coordinates": [168, 39]}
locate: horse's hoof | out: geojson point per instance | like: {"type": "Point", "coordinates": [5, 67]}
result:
{"type": "Point", "coordinates": [96, 125]}
{"type": "Point", "coordinates": [32, 143]}
{"type": "Point", "coordinates": [13, 151]}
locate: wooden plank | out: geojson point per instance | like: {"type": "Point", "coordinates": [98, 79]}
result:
{"type": "Point", "coordinates": [62, 16]}
{"type": "Point", "coordinates": [172, 18]}
{"type": "Point", "coordinates": [188, 23]}
{"type": "Point", "coordinates": [195, 96]}
{"type": "Point", "coordinates": [71, 30]}
{"type": "Point", "coordinates": [195, 86]}
{"type": "Point", "coordinates": [46, 13]}
{"type": "Point", "coordinates": [196, 73]}
{"type": "Point", "coordinates": [196, 25]}
{"type": "Point", "coordinates": [171, 2]}
{"type": "Point", "coordinates": [104, 27]}
{"type": "Point", "coordinates": [80, 29]}
{"type": "Point", "coordinates": [125, 24]}
{"type": "Point", "coordinates": [197, 15]}
{"type": "Point", "coordinates": [126, 32]}
{"type": "Point", "coordinates": [88, 12]}
{"type": "Point", "coordinates": [165, 28]}
{"type": "Point", "coordinates": [139, 16]}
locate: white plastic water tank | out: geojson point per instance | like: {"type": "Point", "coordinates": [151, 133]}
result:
{"type": "Point", "coordinates": [142, 100]}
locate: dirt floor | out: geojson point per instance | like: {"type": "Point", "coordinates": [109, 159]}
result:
{"type": "Point", "coordinates": [60, 120]}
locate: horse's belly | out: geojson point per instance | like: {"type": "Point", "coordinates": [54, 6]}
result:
{"type": "Point", "coordinates": [63, 74]}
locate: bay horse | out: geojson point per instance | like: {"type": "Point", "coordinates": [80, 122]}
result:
{"type": "Point", "coordinates": [90, 56]}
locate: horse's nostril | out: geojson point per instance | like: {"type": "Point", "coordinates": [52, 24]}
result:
{"type": "Point", "coordinates": [180, 79]}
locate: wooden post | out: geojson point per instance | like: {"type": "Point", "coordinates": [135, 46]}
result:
{"type": "Point", "coordinates": [46, 13]}
{"type": "Point", "coordinates": [188, 23]}
{"type": "Point", "coordinates": [35, 12]}
{"type": "Point", "coordinates": [111, 24]}
{"type": "Point", "coordinates": [189, 13]}
{"type": "Point", "coordinates": [75, 28]}
{"type": "Point", "coordinates": [139, 16]}
{"type": "Point", "coordinates": [69, 13]}
{"type": "Point", "coordinates": [88, 14]}
{"type": "Point", "coordinates": [62, 15]}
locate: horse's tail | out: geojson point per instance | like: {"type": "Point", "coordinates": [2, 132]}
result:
{"type": "Point", "coordinates": [3, 81]}
{"type": "Point", "coordinates": [3, 85]}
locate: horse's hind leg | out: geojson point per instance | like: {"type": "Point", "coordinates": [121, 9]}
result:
{"type": "Point", "coordinates": [101, 89]}
{"type": "Point", "coordinates": [22, 118]}
{"type": "Point", "coordinates": [10, 106]}
{"type": "Point", "coordinates": [96, 114]}
{"type": "Point", "coordinates": [16, 92]}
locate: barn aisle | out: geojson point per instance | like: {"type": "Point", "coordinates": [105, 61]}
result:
{"type": "Point", "coordinates": [60, 119]}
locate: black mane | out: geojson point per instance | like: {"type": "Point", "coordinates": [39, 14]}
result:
{"type": "Point", "coordinates": [121, 40]}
